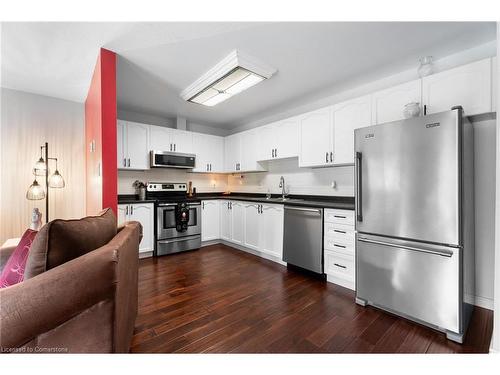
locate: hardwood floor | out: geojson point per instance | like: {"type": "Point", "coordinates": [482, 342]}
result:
{"type": "Point", "coordinates": [221, 300]}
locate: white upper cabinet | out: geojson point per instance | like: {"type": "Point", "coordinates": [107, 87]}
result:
{"type": "Point", "coordinates": [132, 145]}
{"type": "Point", "coordinates": [388, 105]}
{"type": "Point", "coordinates": [210, 220]}
{"type": "Point", "coordinates": [168, 139]}
{"type": "Point", "coordinates": [316, 138]}
{"type": "Point", "coordinates": [121, 157]}
{"type": "Point", "coordinates": [346, 117]}
{"type": "Point", "coordinates": [159, 138]}
{"type": "Point", "coordinates": [182, 141]}
{"type": "Point", "coordinates": [468, 85]}
{"type": "Point", "coordinates": [249, 151]}
{"type": "Point", "coordinates": [232, 153]}
{"type": "Point", "coordinates": [279, 140]}
{"type": "Point", "coordinates": [209, 150]}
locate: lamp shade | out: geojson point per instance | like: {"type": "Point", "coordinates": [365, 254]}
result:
{"type": "Point", "coordinates": [40, 167]}
{"type": "Point", "coordinates": [35, 192]}
{"type": "Point", "coordinates": [56, 180]}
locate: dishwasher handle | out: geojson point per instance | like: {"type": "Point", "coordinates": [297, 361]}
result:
{"type": "Point", "coordinates": [316, 210]}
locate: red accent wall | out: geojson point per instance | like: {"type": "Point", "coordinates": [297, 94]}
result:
{"type": "Point", "coordinates": [100, 130]}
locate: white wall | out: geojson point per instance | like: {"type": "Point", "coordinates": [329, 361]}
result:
{"type": "Point", "coordinates": [204, 183]}
{"type": "Point", "coordinates": [151, 119]}
{"type": "Point", "coordinates": [27, 121]}
{"type": "Point", "coordinates": [306, 181]}
{"type": "Point", "coordinates": [496, 320]}
{"type": "Point", "coordinates": [484, 196]}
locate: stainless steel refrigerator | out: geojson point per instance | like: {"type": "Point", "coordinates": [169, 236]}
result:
{"type": "Point", "coordinates": [415, 219]}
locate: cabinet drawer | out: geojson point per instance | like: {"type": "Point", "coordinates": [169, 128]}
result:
{"type": "Point", "coordinates": [345, 217]}
{"type": "Point", "coordinates": [339, 265]}
{"type": "Point", "coordinates": [339, 232]}
{"type": "Point", "coordinates": [334, 245]}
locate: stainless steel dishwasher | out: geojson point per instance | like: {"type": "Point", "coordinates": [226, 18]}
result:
{"type": "Point", "coordinates": [303, 237]}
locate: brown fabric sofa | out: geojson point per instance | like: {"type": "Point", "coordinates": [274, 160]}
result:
{"type": "Point", "coordinates": [85, 305]}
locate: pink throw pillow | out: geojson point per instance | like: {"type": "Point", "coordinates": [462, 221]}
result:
{"type": "Point", "coordinates": [13, 272]}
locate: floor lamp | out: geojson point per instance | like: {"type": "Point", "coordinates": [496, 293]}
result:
{"type": "Point", "coordinates": [36, 191]}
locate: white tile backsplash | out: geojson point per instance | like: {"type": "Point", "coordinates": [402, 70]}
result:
{"type": "Point", "coordinates": [310, 181]}
{"type": "Point", "coordinates": [204, 183]}
{"type": "Point", "coordinates": [337, 181]}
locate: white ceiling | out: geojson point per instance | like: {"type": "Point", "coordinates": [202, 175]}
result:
{"type": "Point", "coordinates": [158, 60]}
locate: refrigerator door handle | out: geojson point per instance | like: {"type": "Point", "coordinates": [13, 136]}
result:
{"type": "Point", "coordinates": [444, 253]}
{"type": "Point", "coordinates": [359, 214]}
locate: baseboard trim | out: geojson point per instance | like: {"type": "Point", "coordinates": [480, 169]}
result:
{"type": "Point", "coordinates": [339, 281]}
{"type": "Point", "coordinates": [245, 249]}
{"type": "Point", "coordinates": [485, 303]}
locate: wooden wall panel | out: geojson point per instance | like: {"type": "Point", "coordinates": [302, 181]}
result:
{"type": "Point", "coordinates": [27, 121]}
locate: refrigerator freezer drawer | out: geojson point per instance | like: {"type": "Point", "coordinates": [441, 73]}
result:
{"type": "Point", "coordinates": [418, 281]}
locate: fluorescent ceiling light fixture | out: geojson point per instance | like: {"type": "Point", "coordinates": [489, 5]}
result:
{"type": "Point", "coordinates": [234, 74]}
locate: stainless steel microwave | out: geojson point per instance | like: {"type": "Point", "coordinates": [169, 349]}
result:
{"type": "Point", "coordinates": [167, 159]}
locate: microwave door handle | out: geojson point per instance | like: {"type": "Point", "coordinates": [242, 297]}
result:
{"type": "Point", "coordinates": [359, 191]}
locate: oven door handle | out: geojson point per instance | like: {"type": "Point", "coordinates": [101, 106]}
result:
{"type": "Point", "coordinates": [185, 238]}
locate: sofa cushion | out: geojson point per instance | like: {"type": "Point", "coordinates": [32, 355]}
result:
{"type": "Point", "coordinates": [13, 272]}
{"type": "Point", "coordinates": [63, 240]}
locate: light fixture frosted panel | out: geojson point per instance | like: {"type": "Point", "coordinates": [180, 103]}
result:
{"type": "Point", "coordinates": [247, 82]}
{"type": "Point", "coordinates": [234, 74]}
{"type": "Point", "coordinates": [235, 82]}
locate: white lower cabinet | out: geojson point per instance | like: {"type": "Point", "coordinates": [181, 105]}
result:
{"type": "Point", "coordinates": [339, 247]}
{"type": "Point", "coordinates": [225, 220]}
{"type": "Point", "coordinates": [237, 222]}
{"type": "Point", "coordinates": [144, 214]}
{"type": "Point", "coordinates": [253, 225]}
{"type": "Point", "coordinates": [271, 230]}
{"type": "Point", "coordinates": [210, 220]}
{"type": "Point", "coordinates": [252, 228]}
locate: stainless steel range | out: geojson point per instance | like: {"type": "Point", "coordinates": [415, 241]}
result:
{"type": "Point", "coordinates": [178, 218]}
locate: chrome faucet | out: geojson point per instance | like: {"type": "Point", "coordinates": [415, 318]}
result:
{"type": "Point", "coordinates": [282, 186]}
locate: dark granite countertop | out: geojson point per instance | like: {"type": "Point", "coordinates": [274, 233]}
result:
{"type": "Point", "coordinates": [132, 198]}
{"type": "Point", "coordinates": [320, 201]}
{"type": "Point", "coordinates": [344, 203]}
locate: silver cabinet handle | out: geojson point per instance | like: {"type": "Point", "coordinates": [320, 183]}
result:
{"type": "Point", "coordinates": [124, 162]}
{"type": "Point", "coordinates": [339, 231]}
{"type": "Point", "coordinates": [170, 146]}
{"type": "Point", "coordinates": [131, 210]}
{"type": "Point", "coordinates": [128, 163]}
{"type": "Point", "coordinates": [339, 265]}
{"type": "Point", "coordinates": [126, 210]}
{"type": "Point", "coordinates": [326, 156]}
{"type": "Point", "coordinates": [359, 191]}
{"type": "Point", "coordinates": [210, 167]}
{"type": "Point", "coordinates": [341, 246]}
{"type": "Point", "coordinates": [331, 157]}
{"type": "Point", "coordinates": [275, 152]}
{"type": "Point", "coordinates": [203, 205]}
{"type": "Point", "coordinates": [272, 153]}
{"type": "Point", "coordinates": [443, 253]}
{"type": "Point", "coordinates": [317, 210]}
{"type": "Point", "coordinates": [175, 146]}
